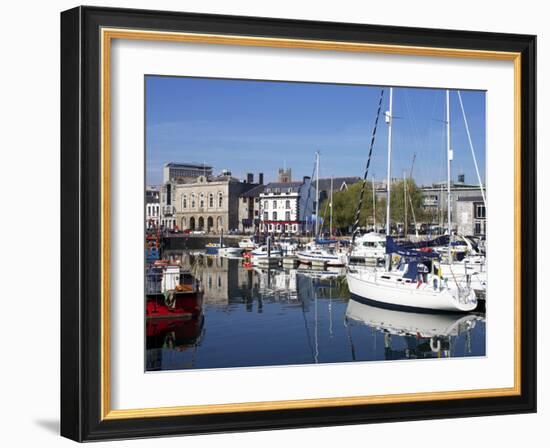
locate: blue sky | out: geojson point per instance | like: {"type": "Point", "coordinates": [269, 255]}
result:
{"type": "Point", "coordinates": [259, 126]}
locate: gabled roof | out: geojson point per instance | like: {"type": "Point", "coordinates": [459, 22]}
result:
{"type": "Point", "coordinates": [338, 182]}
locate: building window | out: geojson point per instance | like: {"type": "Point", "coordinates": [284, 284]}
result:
{"type": "Point", "coordinates": [265, 216]}
{"type": "Point", "coordinates": [210, 200]}
{"type": "Point", "coordinates": [184, 201]}
{"type": "Point", "coordinates": [193, 204]}
{"type": "Point", "coordinates": [266, 204]}
{"type": "Point", "coordinates": [274, 204]}
{"type": "Point", "coordinates": [479, 211]}
{"type": "Point", "coordinates": [477, 230]}
{"type": "Point", "coordinates": [274, 216]}
{"type": "Point", "coordinates": [287, 204]}
{"type": "Point", "coordinates": [287, 216]}
{"type": "Point", "coordinates": [220, 200]}
{"type": "Point", "coordinates": [201, 202]}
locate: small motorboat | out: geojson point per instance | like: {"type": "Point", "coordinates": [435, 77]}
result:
{"type": "Point", "coordinates": [247, 244]}
{"type": "Point", "coordinates": [227, 251]}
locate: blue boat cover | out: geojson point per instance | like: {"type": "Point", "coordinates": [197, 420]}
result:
{"type": "Point", "coordinates": [406, 250]}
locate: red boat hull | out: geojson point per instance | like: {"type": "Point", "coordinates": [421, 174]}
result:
{"type": "Point", "coordinates": [184, 304]}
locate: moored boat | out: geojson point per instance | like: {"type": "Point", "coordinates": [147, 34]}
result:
{"type": "Point", "coordinates": [172, 293]}
{"type": "Point", "coordinates": [247, 244]}
{"type": "Point", "coordinates": [314, 253]}
{"type": "Point", "coordinates": [368, 247]}
{"type": "Point", "coordinates": [227, 251]}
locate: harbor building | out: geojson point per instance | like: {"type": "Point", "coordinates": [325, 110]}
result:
{"type": "Point", "coordinates": [152, 207]}
{"type": "Point", "coordinates": [434, 198]}
{"type": "Point", "coordinates": [287, 207]}
{"type": "Point", "coordinates": [471, 216]}
{"type": "Point", "coordinates": [249, 206]}
{"type": "Point", "coordinates": [185, 172]}
{"type": "Point", "coordinates": [204, 203]}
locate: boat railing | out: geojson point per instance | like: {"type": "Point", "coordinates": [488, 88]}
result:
{"type": "Point", "coordinates": [158, 281]}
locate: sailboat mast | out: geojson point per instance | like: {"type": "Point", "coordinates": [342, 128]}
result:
{"type": "Point", "coordinates": [373, 206]}
{"type": "Point", "coordinates": [331, 188]}
{"type": "Point", "coordinates": [405, 229]}
{"type": "Point", "coordinates": [388, 188]}
{"type": "Point", "coordinates": [317, 194]}
{"type": "Point", "coordinates": [449, 158]}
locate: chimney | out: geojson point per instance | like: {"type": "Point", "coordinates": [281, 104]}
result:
{"type": "Point", "coordinates": [261, 178]}
{"type": "Point", "coordinates": [249, 178]}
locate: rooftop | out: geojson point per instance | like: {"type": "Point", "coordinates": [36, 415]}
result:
{"type": "Point", "coordinates": [253, 192]}
{"type": "Point", "coordinates": [338, 182]}
{"type": "Point", "coordinates": [201, 166]}
{"type": "Point", "coordinates": [470, 199]}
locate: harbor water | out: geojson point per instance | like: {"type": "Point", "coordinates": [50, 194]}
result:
{"type": "Point", "coordinates": [266, 317]}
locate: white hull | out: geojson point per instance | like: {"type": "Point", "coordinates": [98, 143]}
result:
{"type": "Point", "coordinates": [369, 285]}
{"type": "Point", "coordinates": [230, 251]}
{"type": "Point", "coordinates": [329, 260]}
{"type": "Point", "coordinates": [247, 245]}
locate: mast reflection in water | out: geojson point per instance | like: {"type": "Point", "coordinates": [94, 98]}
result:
{"type": "Point", "coordinates": [265, 317]}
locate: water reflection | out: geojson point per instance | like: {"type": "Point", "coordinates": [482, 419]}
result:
{"type": "Point", "coordinates": [424, 335]}
{"type": "Point", "coordinates": [262, 317]}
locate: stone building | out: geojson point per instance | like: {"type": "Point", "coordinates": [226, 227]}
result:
{"type": "Point", "coordinates": [209, 203]}
{"type": "Point", "coordinates": [249, 209]}
{"type": "Point", "coordinates": [471, 216]}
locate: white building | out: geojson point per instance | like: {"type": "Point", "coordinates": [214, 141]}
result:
{"type": "Point", "coordinates": [287, 207]}
{"type": "Point", "coordinates": [152, 207]}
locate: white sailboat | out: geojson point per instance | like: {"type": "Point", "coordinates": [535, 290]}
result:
{"type": "Point", "coordinates": [314, 252]}
{"type": "Point", "coordinates": [413, 284]}
{"type": "Point", "coordinates": [472, 264]}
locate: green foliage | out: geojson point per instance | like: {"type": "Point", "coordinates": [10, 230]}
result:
{"type": "Point", "coordinates": [345, 205]}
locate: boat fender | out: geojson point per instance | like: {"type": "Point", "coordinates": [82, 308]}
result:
{"type": "Point", "coordinates": [437, 347]}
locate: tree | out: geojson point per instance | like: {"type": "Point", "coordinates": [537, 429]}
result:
{"type": "Point", "coordinates": [398, 202]}
{"type": "Point", "coordinates": [345, 204]}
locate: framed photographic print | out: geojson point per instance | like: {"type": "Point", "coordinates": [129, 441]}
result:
{"type": "Point", "coordinates": [273, 223]}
